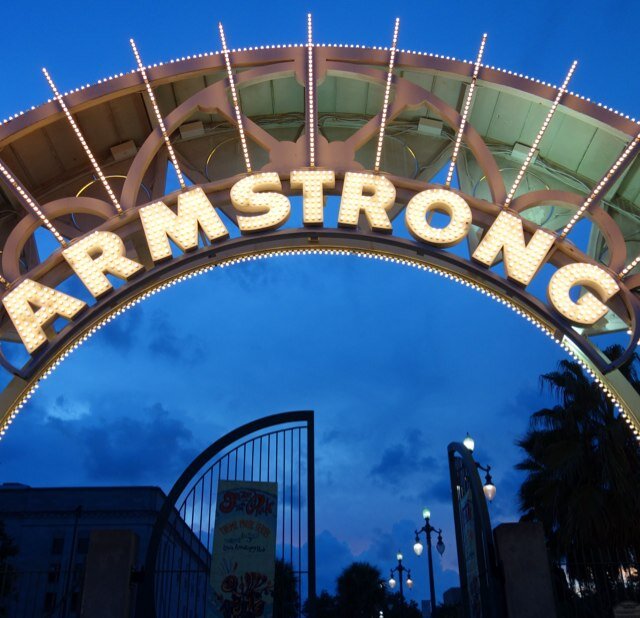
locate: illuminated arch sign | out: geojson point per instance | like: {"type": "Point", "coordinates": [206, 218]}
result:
{"type": "Point", "coordinates": [244, 166]}
{"type": "Point", "coordinates": [33, 306]}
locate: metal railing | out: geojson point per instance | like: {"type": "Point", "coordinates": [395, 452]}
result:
{"type": "Point", "coordinates": [592, 584]}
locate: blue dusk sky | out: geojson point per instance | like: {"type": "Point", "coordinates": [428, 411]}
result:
{"type": "Point", "coordinates": [396, 363]}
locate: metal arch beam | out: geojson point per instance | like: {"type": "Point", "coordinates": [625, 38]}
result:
{"type": "Point", "coordinates": [411, 96]}
{"type": "Point", "coordinates": [28, 225]}
{"type": "Point", "coordinates": [354, 240]}
{"type": "Point", "coordinates": [181, 69]}
{"type": "Point", "coordinates": [55, 269]}
{"type": "Point", "coordinates": [211, 99]}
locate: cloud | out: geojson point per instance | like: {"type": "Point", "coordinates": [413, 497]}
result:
{"type": "Point", "coordinates": [332, 555]}
{"type": "Point", "coordinates": [121, 333]}
{"type": "Point", "coordinates": [400, 460]}
{"type": "Point", "coordinates": [151, 447]}
{"type": "Point", "coordinates": [163, 341]}
{"type": "Point", "coordinates": [66, 410]}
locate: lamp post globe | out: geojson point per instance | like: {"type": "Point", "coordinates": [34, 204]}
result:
{"type": "Point", "coordinates": [469, 442]}
{"type": "Point", "coordinates": [418, 547]}
{"type": "Point", "coordinates": [489, 490]}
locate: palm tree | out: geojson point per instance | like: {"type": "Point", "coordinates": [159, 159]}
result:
{"type": "Point", "coordinates": [583, 475]}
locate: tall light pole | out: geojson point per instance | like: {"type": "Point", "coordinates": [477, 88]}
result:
{"type": "Point", "coordinates": [400, 569]}
{"type": "Point", "coordinates": [418, 548]}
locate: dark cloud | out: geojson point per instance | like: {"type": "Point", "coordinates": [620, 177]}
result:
{"type": "Point", "coordinates": [330, 436]}
{"type": "Point", "coordinates": [332, 556]}
{"type": "Point", "coordinates": [402, 459]}
{"type": "Point", "coordinates": [150, 447]}
{"type": "Point", "coordinates": [122, 333]}
{"type": "Point", "coordinates": [163, 341]}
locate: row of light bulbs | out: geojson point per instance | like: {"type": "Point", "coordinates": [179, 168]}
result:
{"type": "Point", "coordinates": [414, 263]}
{"type": "Point", "coordinates": [339, 45]}
{"type": "Point", "coordinates": [465, 111]}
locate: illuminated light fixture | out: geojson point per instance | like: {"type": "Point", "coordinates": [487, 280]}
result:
{"type": "Point", "coordinates": [488, 488]}
{"type": "Point", "coordinates": [311, 110]}
{"type": "Point", "coordinates": [439, 200]}
{"type": "Point", "coordinates": [156, 111]}
{"type": "Point", "coordinates": [370, 194]}
{"type": "Point", "coordinates": [426, 513]}
{"type": "Point", "coordinates": [617, 167]}
{"type": "Point", "coordinates": [469, 443]}
{"type": "Point", "coordinates": [387, 92]}
{"type": "Point", "coordinates": [255, 195]}
{"type": "Point", "coordinates": [83, 142]}
{"type": "Point", "coordinates": [587, 309]}
{"type": "Point", "coordinates": [409, 582]}
{"type": "Point", "coordinates": [418, 547]}
{"type": "Point", "coordinates": [312, 183]}
{"type": "Point", "coordinates": [399, 556]}
{"type": "Point", "coordinates": [392, 583]}
{"type": "Point", "coordinates": [465, 112]}
{"type": "Point", "coordinates": [234, 97]}
{"type": "Point", "coordinates": [536, 142]}
{"type": "Point", "coordinates": [25, 198]}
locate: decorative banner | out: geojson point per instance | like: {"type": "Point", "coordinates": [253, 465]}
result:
{"type": "Point", "coordinates": [469, 544]}
{"type": "Point", "coordinates": [244, 550]}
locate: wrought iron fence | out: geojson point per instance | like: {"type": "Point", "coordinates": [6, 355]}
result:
{"type": "Point", "coordinates": [595, 584]}
{"type": "Point", "coordinates": [275, 449]}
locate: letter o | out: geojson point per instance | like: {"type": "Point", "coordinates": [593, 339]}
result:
{"type": "Point", "coordinates": [442, 201]}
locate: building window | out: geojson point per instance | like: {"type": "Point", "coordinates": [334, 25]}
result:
{"type": "Point", "coordinates": [54, 573]}
{"type": "Point", "coordinates": [83, 545]}
{"type": "Point", "coordinates": [49, 601]}
{"type": "Point", "coordinates": [57, 545]}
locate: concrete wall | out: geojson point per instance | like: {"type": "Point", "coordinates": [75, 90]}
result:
{"type": "Point", "coordinates": [522, 554]}
{"type": "Point", "coordinates": [107, 585]}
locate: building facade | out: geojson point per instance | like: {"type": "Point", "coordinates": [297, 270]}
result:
{"type": "Point", "coordinates": [52, 529]}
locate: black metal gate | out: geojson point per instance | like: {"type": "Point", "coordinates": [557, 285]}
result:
{"type": "Point", "coordinates": [276, 448]}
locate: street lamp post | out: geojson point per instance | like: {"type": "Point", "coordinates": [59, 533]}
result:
{"type": "Point", "coordinates": [418, 548]}
{"type": "Point", "coordinates": [400, 569]}
{"type": "Point", "coordinates": [489, 489]}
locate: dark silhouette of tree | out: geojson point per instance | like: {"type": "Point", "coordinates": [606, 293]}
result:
{"type": "Point", "coordinates": [583, 477]}
{"type": "Point", "coordinates": [326, 606]}
{"type": "Point", "coordinates": [286, 599]}
{"type": "Point", "coordinates": [394, 604]}
{"type": "Point", "coordinates": [359, 592]}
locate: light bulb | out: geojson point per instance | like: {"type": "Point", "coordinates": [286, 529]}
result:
{"type": "Point", "coordinates": [489, 490]}
{"type": "Point", "coordinates": [469, 443]}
